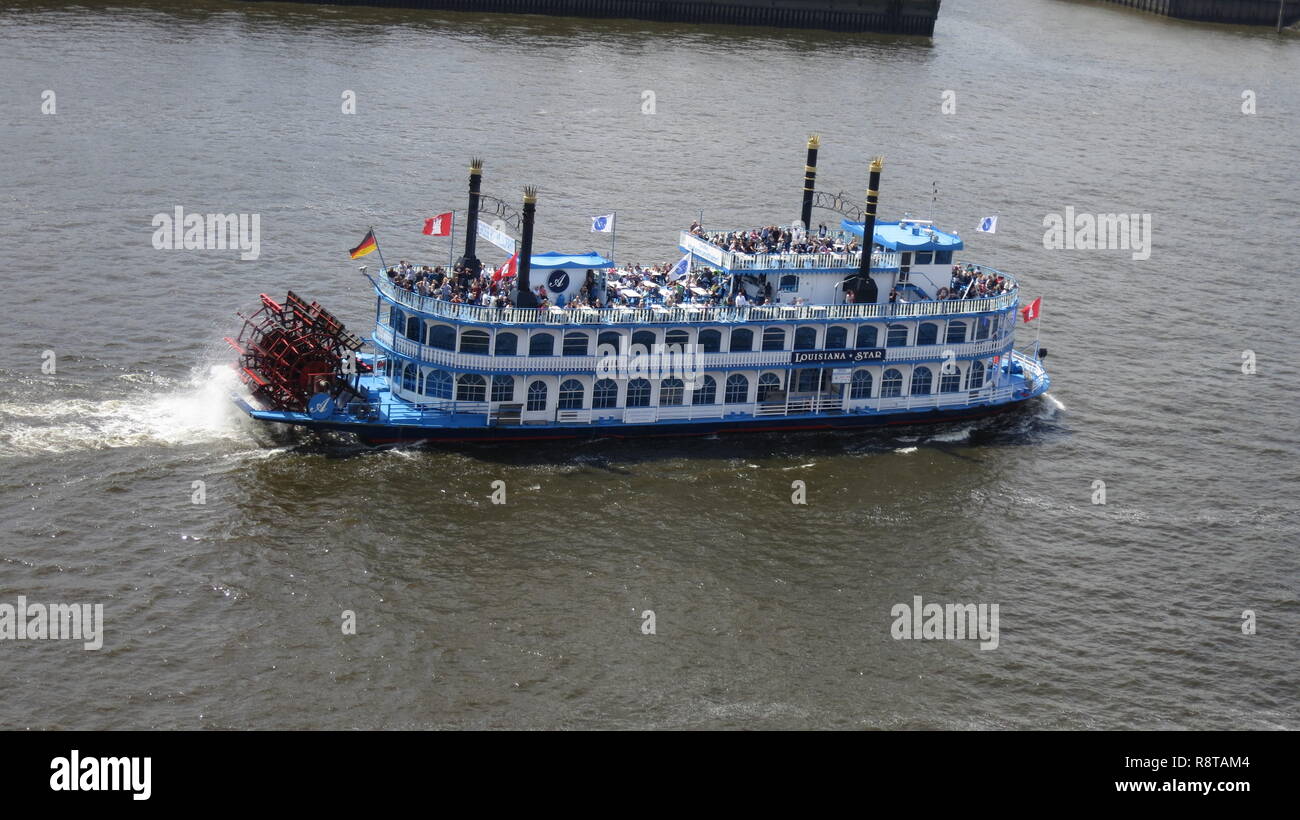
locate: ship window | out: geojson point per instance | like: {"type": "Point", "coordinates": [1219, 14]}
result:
{"type": "Point", "coordinates": [837, 338]}
{"type": "Point", "coordinates": [395, 320]}
{"type": "Point", "coordinates": [474, 341]}
{"type": "Point", "coordinates": [924, 257]}
{"type": "Point", "coordinates": [611, 338]}
{"type": "Point", "coordinates": [956, 333]}
{"type": "Point", "coordinates": [507, 344]}
{"type": "Point", "coordinates": [542, 344]}
{"type": "Point", "coordinates": [943, 257]}
{"type": "Point", "coordinates": [927, 334]}
{"type": "Point", "coordinates": [677, 337]}
{"type": "Point", "coordinates": [575, 344]}
{"type": "Point", "coordinates": [605, 394]}
{"type": "Point", "coordinates": [706, 393]}
{"type": "Point", "coordinates": [905, 259]}
{"type": "Point", "coordinates": [408, 377]}
{"type": "Point", "coordinates": [471, 387]}
{"type": "Point", "coordinates": [742, 341]}
{"type": "Point", "coordinates": [670, 392]}
{"type": "Point", "coordinates": [737, 389]}
{"type": "Point", "coordinates": [438, 384]}
{"type": "Point", "coordinates": [922, 379]}
{"type": "Point", "coordinates": [860, 387]}
{"type": "Point", "coordinates": [768, 383]}
{"type": "Point", "coordinates": [982, 328]}
{"type": "Point", "coordinates": [897, 336]}
{"type": "Point", "coordinates": [774, 339]}
{"type": "Point", "coordinates": [809, 380]}
{"type": "Point", "coordinates": [414, 328]}
{"type": "Point", "coordinates": [503, 388]}
{"type": "Point", "coordinates": [789, 283]}
{"type": "Point", "coordinates": [866, 336]}
{"type": "Point", "coordinates": [442, 337]}
{"type": "Point", "coordinates": [644, 337]}
{"type": "Point", "coordinates": [710, 341]}
{"type": "Point", "coordinates": [638, 393]}
{"type": "Point", "coordinates": [537, 396]}
{"type": "Point", "coordinates": [571, 394]}
{"type": "Point", "coordinates": [891, 386]}
{"type": "Point", "coordinates": [950, 382]}
{"type": "Point", "coordinates": [976, 377]}
{"type": "Point", "coordinates": [805, 338]}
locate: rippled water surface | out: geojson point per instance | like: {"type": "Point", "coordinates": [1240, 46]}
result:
{"type": "Point", "coordinates": [768, 614]}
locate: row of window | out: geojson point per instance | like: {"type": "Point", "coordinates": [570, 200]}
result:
{"type": "Point", "coordinates": [473, 387]}
{"type": "Point", "coordinates": [710, 340]}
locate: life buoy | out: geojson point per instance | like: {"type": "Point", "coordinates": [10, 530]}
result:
{"type": "Point", "coordinates": [944, 293]}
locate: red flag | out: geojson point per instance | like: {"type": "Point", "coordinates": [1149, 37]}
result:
{"type": "Point", "coordinates": [1030, 311]}
{"type": "Point", "coordinates": [510, 268]}
{"type": "Point", "coordinates": [439, 225]}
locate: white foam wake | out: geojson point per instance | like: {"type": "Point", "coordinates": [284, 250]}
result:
{"type": "Point", "coordinates": [164, 412]}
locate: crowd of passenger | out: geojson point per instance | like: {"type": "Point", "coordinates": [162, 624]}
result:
{"type": "Point", "coordinates": [775, 239]}
{"type": "Point", "coordinates": [973, 282]}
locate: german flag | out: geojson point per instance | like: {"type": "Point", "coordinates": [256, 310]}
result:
{"type": "Point", "coordinates": [367, 245]}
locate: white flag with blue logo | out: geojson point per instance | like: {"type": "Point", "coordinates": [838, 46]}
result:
{"type": "Point", "coordinates": [602, 224]}
{"type": "Point", "coordinates": [989, 224]}
{"type": "Point", "coordinates": [680, 270]}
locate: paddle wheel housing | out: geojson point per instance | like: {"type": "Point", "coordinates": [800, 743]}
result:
{"type": "Point", "coordinates": [290, 352]}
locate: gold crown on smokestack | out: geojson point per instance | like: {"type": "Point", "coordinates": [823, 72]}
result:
{"type": "Point", "coordinates": [476, 166]}
{"type": "Point", "coordinates": [530, 195]}
{"type": "Point", "coordinates": [877, 164]}
{"type": "Point", "coordinates": [815, 141]}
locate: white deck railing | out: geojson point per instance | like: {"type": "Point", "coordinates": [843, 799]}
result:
{"type": "Point", "coordinates": [734, 261]}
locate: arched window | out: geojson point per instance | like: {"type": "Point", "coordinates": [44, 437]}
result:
{"type": "Point", "coordinates": [471, 387]}
{"type": "Point", "coordinates": [438, 384]}
{"type": "Point", "coordinates": [927, 334]}
{"type": "Point", "coordinates": [710, 341]}
{"type": "Point", "coordinates": [706, 392]}
{"type": "Point", "coordinates": [670, 392]}
{"type": "Point", "coordinates": [474, 341]}
{"type": "Point", "coordinates": [571, 394]}
{"type": "Point", "coordinates": [644, 337]}
{"type": "Point", "coordinates": [867, 336]}
{"type": "Point", "coordinates": [677, 337]}
{"type": "Point", "coordinates": [860, 387]}
{"type": "Point", "coordinates": [922, 380]}
{"type": "Point", "coordinates": [541, 344]}
{"type": "Point", "coordinates": [507, 344]}
{"type": "Point", "coordinates": [897, 336]}
{"type": "Point", "coordinates": [891, 386]}
{"type": "Point", "coordinates": [408, 377]}
{"type": "Point", "coordinates": [414, 328]}
{"type": "Point", "coordinates": [737, 389]}
{"type": "Point", "coordinates": [789, 283]}
{"type": "Point", "coordinates": [610, 338]}
{"type": "Point", "coordinates": [837, 338]}
{"type": "Point", "coordinates": [805, 338]}
{"type": "Point", "coordinates": [982, 328]}
{"type": "Point", "coordinates": [956, 333]}
{"type": "Point", "coordinates": [950, 382]}
{"type": "Point", "coordinates": [742, 341]}
{"type": "Point", "coordinates": [604, 395]}
{"type": "Point", "coordinates": [638, 393]}
{"type": "Point", "coordinates": [537, 396]}
{"type": "Point", "coordinates": [503, 388]}
{"type": "Point", "coordinates": [768, 383]}
{"type": "Point", "coordinates": [575, 343]}
{"type": "Point", "coordinates": [396, 319]}
{"type": "Point", "coordinates": [975, 377]}
{"type": "Point", "coordinates": [442, 337]}
{"type": "Point", "coordinates": [773, 338]}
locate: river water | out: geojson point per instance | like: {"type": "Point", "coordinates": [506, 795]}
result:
{"type": "Point", "coordinates": [1127, 614]}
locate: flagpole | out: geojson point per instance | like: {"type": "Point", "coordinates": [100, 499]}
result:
{"type": "Point", "coordinates": [378, 249]}
{"type": "Point", "coordinates": [451, 242]}
{"type": "Point", "coordinates": [613, 236]}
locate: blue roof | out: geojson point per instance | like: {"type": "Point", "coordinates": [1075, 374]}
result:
{"type": "Point", "coordinates": [569, 261]}
{"type": "Point", "coordinates": [909, 236]}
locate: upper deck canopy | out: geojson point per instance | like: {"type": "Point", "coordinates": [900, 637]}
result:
{"type": "Point", "coordinates": [555, 260]}
{"type": "Point", "coordinates": [909, 235]}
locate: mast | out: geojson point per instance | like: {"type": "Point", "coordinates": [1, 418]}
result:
{"type": "Point", "coordinates": [525, 298]}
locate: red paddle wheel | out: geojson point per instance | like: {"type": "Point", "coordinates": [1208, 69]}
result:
{"type": "Point", "coordinates": [290, 352]}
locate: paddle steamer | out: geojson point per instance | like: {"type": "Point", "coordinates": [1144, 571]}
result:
{"type": "Point", "coordinates": [768, 329]}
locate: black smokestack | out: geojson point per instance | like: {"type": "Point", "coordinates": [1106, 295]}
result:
{"type": "Point", "coordinates": [526, 297]}
{"type": "Point", "coordinates": [809, 180]}
{"type": "Point", "coordinates": [864, 290]}
{"type": "Point", "coordinates": [469, 261]}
